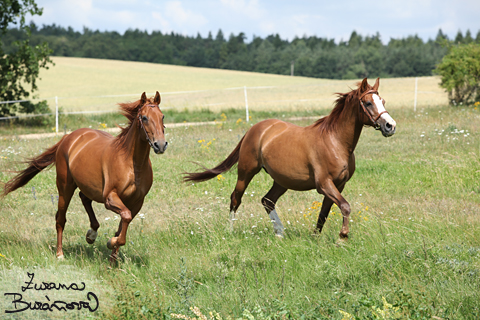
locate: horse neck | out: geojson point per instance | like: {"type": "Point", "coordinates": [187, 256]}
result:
{"type": "Point", "coordinates": [138, 148]}
{"type": "Point", "coordinates": [351, 127]}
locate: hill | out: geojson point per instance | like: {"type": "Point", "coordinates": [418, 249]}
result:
{"type": "Point", "coordinates": [83, 84]}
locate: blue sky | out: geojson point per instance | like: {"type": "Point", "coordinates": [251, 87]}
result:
{"type": "Point", "coordinates": [327, 19]}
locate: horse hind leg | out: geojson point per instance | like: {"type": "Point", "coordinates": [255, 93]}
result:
{"type": "Point", "coordinates": [94, 225]}
{"type": "Point", "coordinates": [65, 194]}
{"type": "Point", "coordinates": [269, 201]}
{"type": "Point", "coordinates": [236, 200]}
{"type": "Point", "coordinates": [244, 178]}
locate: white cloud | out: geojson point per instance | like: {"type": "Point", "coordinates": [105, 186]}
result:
{"type": "Point", "coordinates": [250, 9]}
{"type": "Point", "coordinates": [183, 19]}
{"type": "Point", "coordinates": [162, 23]}
{"type": "Point", "coordinates": [330, 19]}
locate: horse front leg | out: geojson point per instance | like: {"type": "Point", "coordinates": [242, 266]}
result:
{"type": "Point", "coordinates": [94, 225]}
{"type": "Point", "coordinates": [325, 210]}
{"type": "Point", "coordinates": [331, 192]}
{"type": "Point", "coordinates": [323, 215]}
{"type": "Point", "coordinates": [115, 204]}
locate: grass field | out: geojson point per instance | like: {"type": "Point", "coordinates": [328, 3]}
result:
{"type": "Point", "coordinates": [89, 84]}
{"type": "Point", "coordinates": [413, 251]}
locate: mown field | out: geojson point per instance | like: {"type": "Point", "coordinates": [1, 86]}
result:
{"type": "Point", "coordinates": [94, 85]}
{"type": "Point", "coordinates": [413, 251]}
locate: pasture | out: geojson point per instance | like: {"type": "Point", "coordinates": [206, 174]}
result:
{"type": "Point", "coordinates": [414, 239]}
{"type": "Point", "coordinates": [413, 251]}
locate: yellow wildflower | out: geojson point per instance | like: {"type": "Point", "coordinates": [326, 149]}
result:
{"type": "Point", "coordinates": [346, 315]}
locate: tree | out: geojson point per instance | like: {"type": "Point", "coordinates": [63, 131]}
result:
{"type": "Point", "coordinates": [460, 72]}
{"type": "Point", "coordinates": [20, 67]}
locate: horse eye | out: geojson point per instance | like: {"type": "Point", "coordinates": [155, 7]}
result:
{"type": "Point", "coordinates": [144, 118]}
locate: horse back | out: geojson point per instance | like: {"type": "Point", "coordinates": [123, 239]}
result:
{"type": "Point", "coordinates": [80, 160]}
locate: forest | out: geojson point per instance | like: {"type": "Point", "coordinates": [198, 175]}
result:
{"type": "Point", "coordinates": [358, 57]}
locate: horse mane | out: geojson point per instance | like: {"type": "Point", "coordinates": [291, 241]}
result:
{"type": "Point", "coordinates": [330, 122]}
{"type": "Point", "coordinates": [130, 111]}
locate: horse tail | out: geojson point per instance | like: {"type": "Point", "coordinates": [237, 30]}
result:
{"type": "Point", "coordinates": [224, 166]}
{"type": "Point", "coordinates": [35, 165]}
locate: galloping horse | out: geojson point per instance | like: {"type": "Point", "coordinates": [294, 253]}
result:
{"type": "Point", "coordinates": [319, 156]}
{"type": "Point", "coordinates": [115, 171]}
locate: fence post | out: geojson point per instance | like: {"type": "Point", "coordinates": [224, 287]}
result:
{"type": "Point", "coordinates": [56, 115]}
{"type": "Point", "coordinates": [246, 103]}
{"type": "Point", "coordinates": [415, 100]}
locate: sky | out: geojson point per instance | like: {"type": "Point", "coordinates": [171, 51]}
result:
{"type": "Point", "coordinates": [333, 19]}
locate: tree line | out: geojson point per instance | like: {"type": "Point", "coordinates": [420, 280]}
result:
{"type": "Point", "coordinates": [358, 57]}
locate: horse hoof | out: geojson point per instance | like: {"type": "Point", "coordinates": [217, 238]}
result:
{"type": "Point", "coordinates": [91, 236]}
{"type": "Point", "coordinates": [60, 257]}
{"type": "Point", "coordinates": [111, 243]}
{"type": "Point", "coordinates": [279, 235]}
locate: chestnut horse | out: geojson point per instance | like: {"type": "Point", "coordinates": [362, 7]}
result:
{"type": "Point", "coordinates": [319, 156]}
{"type": "Point", "coordinates": [115, 171]}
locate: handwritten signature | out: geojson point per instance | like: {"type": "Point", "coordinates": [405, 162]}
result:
{"type": "Point", "coordinates": [20, 305]}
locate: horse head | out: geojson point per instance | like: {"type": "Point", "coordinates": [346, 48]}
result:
{"type": "Point", "coordinates": [150, 118]}
{"type": "Point", "coordinates": [374, 108]}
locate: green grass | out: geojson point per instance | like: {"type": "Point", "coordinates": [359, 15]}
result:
{"type": "Point", "coordinates": [415, 232]}
{"type": "Point", "coordinates": [69, 123]}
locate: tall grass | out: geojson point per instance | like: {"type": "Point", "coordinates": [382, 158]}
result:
{"type": "Point", "coordinates": [413, 251]}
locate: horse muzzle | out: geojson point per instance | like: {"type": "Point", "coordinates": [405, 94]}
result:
{"type": "Point", "coordinates": [388, 126]}
{"type": "Point", "coordinates": [159, 147]}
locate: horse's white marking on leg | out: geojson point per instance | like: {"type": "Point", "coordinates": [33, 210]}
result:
{"type": "Point", "coordinates": [277, 224]}
{"type": "Point", "coordinates": [232, 219]}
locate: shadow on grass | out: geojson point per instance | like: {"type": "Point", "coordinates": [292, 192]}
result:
{"type": "Point", "coordinates": [99, 252]}
{"type": "Point", "coordinates": [74, 251]}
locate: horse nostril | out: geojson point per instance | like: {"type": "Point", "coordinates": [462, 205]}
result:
{"type": "Point", "coordinates": [388, 126]}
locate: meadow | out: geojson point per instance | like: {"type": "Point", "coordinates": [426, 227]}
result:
{"type": "Point", "coordinates": [413, 251]}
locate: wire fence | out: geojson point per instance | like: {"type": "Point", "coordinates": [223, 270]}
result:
{"type": "Point", "coordinates": [399, 93]}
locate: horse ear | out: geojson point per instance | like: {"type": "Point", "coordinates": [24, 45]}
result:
{"type": "Point", "coordinates": [377, 84]}
{"type": "Point", "coordinates": [143, 98]}
{"type": "Point", "coordinates": [157, 99]}
{"type": "Point", "coordinates": [364, 85]}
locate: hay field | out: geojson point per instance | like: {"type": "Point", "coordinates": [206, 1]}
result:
{"type": "Point", "coordinates": [97, 85]}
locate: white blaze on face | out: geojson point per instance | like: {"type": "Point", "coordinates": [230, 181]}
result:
{"type": "Point", "coordinates": [381, 108]}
